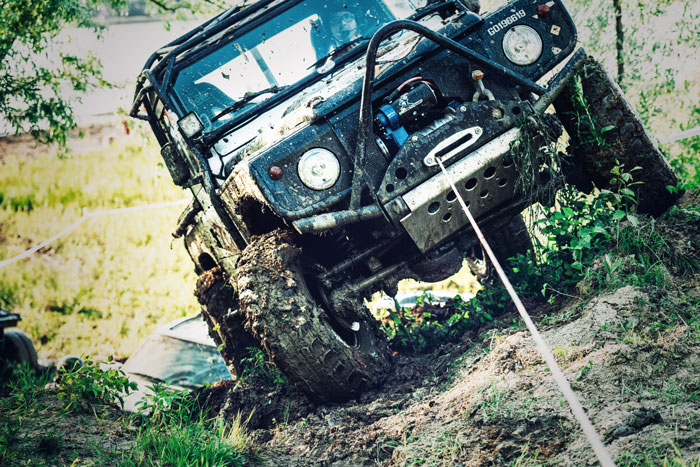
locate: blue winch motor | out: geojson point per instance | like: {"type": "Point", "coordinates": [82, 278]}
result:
{"type": "Point", "coordinates": [403, 109]}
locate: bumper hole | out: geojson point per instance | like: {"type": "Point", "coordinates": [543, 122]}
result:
{"type": "Point", "coordinates": [502, 182]}
{"type": "Point", "coordinates": [401, 173]}
{"type": "Point", "coordinates": [471, 184]}
{"type": "Point", "coordinates": [451, 196]}
{"type": "Point", "coordinates": [516, 110]}
{"type": "Point", "coordinates": [447, 217]}
{"type": "Point", "coordinates": [508, 161]}
{"type": "Point", "coordinates": [489, 172]}
{"type": "Point", "coordinates": [390, 188]}
{"type": "Point", "coordinates": [484, 193]}
{"type": "Point", "coordinates": [434, 207]}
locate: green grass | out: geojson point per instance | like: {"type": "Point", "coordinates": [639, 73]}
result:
{"type": "Point", "coordinates": [103, 287]}
{"type": "Point", "coordinates": [37, 428]}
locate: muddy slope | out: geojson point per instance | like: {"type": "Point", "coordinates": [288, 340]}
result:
{"type": "Point", "coordinates": [496, 403]}
{"type": "Point", "coordinates": [632, 356]}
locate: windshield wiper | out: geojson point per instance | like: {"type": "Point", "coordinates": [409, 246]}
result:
{"type": "Point", "coordinates": [340, 50]}
{"type": "Point", "coordinates": [245, 99]}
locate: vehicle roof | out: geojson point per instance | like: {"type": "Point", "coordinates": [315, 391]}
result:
{"type": "Point", "coordinates": [190, 329]}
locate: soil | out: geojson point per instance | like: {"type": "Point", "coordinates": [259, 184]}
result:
{"type": "Point", "coordinates": [631, 356]}
{"type": "Point", "coordinates": [489, 399]}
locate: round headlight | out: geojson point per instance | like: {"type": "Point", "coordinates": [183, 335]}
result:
{"type": "Point", "coordinates": [522, 45]}
{"type": "Point", "coordinates": [318, 168]}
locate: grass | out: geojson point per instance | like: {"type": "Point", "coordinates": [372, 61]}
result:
{"type": "Point", "coordinates": [37, 428]}
{"type": "Point", "coordinates": [103, 287]}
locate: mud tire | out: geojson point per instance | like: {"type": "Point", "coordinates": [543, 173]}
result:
{"type": "Point", "coordinates": [506, 242]}
{"type": "Point", "coordinates": [20, 348]}
{"type": "Point", "coordinates": [627, 141]}
{"type": "Point", "coordinates": [296, 332]}
{"type": "Point", "coordinates": [220, 310]}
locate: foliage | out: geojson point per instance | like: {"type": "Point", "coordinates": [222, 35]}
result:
{"type": "Point", "coordinates": [257, 367]}
{"type": "Point", "coordinates": [34, 78]}
{"type": "Point", "coordinates": [198, 443]}
{"type": "Point", "coordinates": [176, 432]}
{"type": "Point", "coordinates": [39, 80]}
{"type": "Point", "coordinates": [123, 266]}
{"type": "Point", "coordinates": [426, 326]}
{"type": "Point", "coordinates": [686, 164]}
{"type": "Point", "coordinates": [32, 428]}
{"type": "Point", "coordinates": [23, 384]}
{"type": "Point", "coordinates": [165, 405]}
{"type": "Point", "coordinates": [88, 384]}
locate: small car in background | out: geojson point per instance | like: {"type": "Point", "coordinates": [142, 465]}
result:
{"type": "Point", "coordinates": [179, 353]}
{"type": "Point", "coordinates": [15, 345]}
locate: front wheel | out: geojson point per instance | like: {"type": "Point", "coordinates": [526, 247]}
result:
{"type": "Point", "coordinates": [326, 356]}
{"type": "Point", "coordinates": [603, 131]}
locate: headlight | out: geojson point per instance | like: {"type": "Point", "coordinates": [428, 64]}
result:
{"type": "Point", "coordinates": [190, 125]}
{"type": "Point", "coordinates": [318, 168]}
{"type": "Point", "coordinates": [522, 45]}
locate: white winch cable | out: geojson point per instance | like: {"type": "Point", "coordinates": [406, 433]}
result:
{"type": "Point", "coordinates": [598, 447]}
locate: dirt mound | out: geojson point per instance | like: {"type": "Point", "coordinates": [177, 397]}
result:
{"type": "Point", "coordinates": [494, 402]}
{"type": "Point", "coordinates": [631, 355]}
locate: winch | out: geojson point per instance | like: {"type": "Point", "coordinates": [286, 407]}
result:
{"type": "Point", "coordinates": [406, 106]}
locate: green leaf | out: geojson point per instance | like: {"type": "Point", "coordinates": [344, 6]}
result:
{"type": "Point", "coordinates": [617, 215]}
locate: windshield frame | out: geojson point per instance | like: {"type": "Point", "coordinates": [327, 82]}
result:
{"type": "Point", "coordinates": [235, 27]}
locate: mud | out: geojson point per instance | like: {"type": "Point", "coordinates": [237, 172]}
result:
{"type": "Point", "coordinates": [631, 355]}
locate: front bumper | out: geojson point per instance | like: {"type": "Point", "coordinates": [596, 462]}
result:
{"type": "Point", "coordinates": [485, 179]}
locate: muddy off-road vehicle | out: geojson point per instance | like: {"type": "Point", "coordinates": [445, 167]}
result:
{"type": "Point", "coordinates": [309, 133]}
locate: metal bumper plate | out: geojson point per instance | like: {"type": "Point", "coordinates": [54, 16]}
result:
{"type": "Point", "coordinates": [484, 178]}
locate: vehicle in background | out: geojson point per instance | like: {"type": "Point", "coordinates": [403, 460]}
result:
{"type": "Point", "coordinates": [180, 354]}
{"type": "Point", "coordinates": [410, 298]}
{"type": "Point", "coordinates": [15, 345]}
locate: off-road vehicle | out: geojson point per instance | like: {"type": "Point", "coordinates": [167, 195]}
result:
{"type": "Point", "coordinates": [309, 133]}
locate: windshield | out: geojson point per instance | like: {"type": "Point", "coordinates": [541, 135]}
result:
{"type": "Point", "coordinates": [258, 63]}
{"type": "Point", "coordinates": [175, 361]}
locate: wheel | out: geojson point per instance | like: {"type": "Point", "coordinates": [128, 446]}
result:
{"type": "Point", "coordinates": [324, 358]}
{"type": "Point", "coordinates": [510, 240]}
{"type": "Point", "coordinates": [604, 129]}
{"type": "Point", "coordinates": [20, 348]}
{"type": "Point", "coordinates": [506, 242]}
{"type": "Point", "coordinates": [225, 321]}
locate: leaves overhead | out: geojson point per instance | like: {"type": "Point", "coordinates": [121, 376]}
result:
{"type": "Point", "coordinates": [39, 82]}
{"type": "Point", "coordinates": [34, 81]}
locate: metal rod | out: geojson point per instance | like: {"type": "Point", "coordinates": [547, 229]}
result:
{"type": "Point", "coordinates": [556, 86]}
{"type": "Point", "coordinates": [330, 220]}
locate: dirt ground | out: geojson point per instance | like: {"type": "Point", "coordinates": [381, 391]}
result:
{"type": "Point", "coordinates": [489, 399]}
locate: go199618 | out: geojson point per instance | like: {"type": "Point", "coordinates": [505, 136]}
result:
{"type": "Point", "coordinates": [506, 22]}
